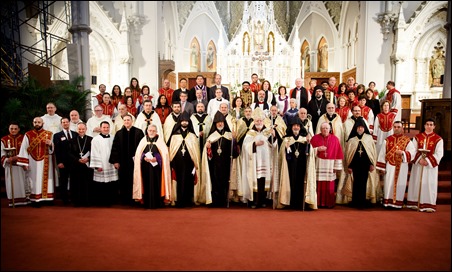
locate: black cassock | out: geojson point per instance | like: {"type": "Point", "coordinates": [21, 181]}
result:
{"type": "Point", "coordinates": [123, 150]}
{"type": "Point", "coordinates": [81, 175]}
{"type": "Point", "coordinates": [152, 177]}
{"type": "Point", "coordinates": [183, 166]}
{"type": "Point", "coordinates": [360, 165]}
{"type": "Point", "coordinates": [297, 172]}
{"type": "Point", "coordinates": [220, 166]}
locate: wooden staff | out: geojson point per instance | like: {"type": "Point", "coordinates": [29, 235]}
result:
{"type": "Point", "coordinates": [232, 158]}
{"type": "Point", "coordinates": [9, 154]}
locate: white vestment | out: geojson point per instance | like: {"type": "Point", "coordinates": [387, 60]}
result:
{"type": "Point", "coordinates": [17, 174]}
{"type": "Point", "coordinates": [100, 154]}
{"type": "Point", "coordinates": [214, 106]}
{"type": "Point", "coordinates": [394, 190]}
{"type": "Point", "coordinates": [429, 178]}
{"type": "Point", "coordinates": [257, 164]}
{"type": "Point", "coordinates": [52, 123]}
{"type": "Point", "coordinates": [94, 122]}
{"type": "Point", "coordinates": [41, 189]}
{"type": "Point", "coordinates": [142, 124]}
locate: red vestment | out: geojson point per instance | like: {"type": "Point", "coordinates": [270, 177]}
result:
{"type": "Point", "coordinates": [343, 113]}
{"type": "Point", "coordinates": [428, 142]}
{"type": "Point", "coordinates": [15, 141]}
{"type": "Point", "coordinates": [169, 95]}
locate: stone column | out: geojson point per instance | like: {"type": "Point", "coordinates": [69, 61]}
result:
{"type": "Point", "coordinates": [447, 71]}
{"type": "Point", "coordinates": [80, 30]}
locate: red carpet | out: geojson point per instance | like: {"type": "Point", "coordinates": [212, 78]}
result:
{"type": "Point", "coordinates": [238, 238]}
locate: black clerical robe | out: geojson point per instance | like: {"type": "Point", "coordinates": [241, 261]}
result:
{"type": "Point", "coordinates": [123, 150]}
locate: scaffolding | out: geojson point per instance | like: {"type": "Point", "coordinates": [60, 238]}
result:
{"type": "Point", "coordinates": [35, 16]}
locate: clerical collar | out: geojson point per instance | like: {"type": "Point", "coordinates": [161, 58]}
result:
{"type": "Point", "coordinates": [219, 99]}
{"type": "Point", "coordinates": [105, 136]}
{"type": "Point", "coordinates": [200, 114]}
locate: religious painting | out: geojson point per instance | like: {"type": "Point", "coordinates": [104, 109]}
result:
{"type": "Point", "coordinates": [211, 57]}
{"type": "Point", "coordinates": [246, 43]}
{"type": "Point", "coordinates": [195, 56]}
{"type": "Point", "coordinates": [271, 43]}
{"type": "Point", "coordinates": [437, 65]}
{"type": "Point", "coordinates": [305, 56]}
{"type": "Point", "coordinates": [322, 56]}
{"type": "Point", "coordinates": [259, 35]}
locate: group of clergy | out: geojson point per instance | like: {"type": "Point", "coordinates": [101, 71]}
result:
{"type": "Point", "coordinates": [260, 159]}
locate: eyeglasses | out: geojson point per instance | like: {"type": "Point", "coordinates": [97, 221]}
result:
{"type": "Point", "coordinates": [97, 110]}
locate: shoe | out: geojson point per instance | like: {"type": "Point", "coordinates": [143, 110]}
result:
{"type": "Point", "coordinates": [253, 206]}
{"type": "Point", "coordinates": [264, 205]}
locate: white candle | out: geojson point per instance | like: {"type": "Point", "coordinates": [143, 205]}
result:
{"type": "Point", "coordinates": [424, 143]}
{"type": "Point", "coordinates": [302, 69]}
{"type": "Point", "coordinates": [9, 144]}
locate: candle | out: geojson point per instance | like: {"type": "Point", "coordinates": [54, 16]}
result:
{"type": "Point", "coordinates": [9, 143]}
{"type": "Point", "coordinates": [302, 69]}
{"type": "Point", "coordinates": [424, 144]}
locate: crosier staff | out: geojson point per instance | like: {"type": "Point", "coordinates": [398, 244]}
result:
{"type": "Point", "coordinates": [232, 157]}
{"type": "Point", "coordinates": [308, 144]}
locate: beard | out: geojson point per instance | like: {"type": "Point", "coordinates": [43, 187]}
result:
{"type": "Point", "coordinates": [184, 125]}
{"type": "Point", "coordinates": [200, 112]}
{"type": "Point", "coordinates": [296, 131]}
{"type": "Point", "coordinates": [38, 127]}
{"type": "Point", "coordinates": [259, 127]}
{"type": "Point", "coordinates": [220, 128]}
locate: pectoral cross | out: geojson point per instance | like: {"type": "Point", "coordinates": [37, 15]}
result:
{"type": "Point", "coordinates": [360, 151]}
{"type": "Point", "coordinates": [183, 151]}
{"type": "Point", "coordinates": [219, 151]}
{"type": "Point", "coordinates": [318, 112]}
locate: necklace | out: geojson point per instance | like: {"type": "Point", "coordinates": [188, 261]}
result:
{"type": "Point", "coordinates": [150, 143]}
{"type": "Point", "coordinates": [360, 151]}
{"type": "Point", "coordinates": [297, 153]}
{"type": "Point", "coordinates": [219, 146]}
{"type": "Point", "coordinates": [81, 148]}
{"type": "Point", "coordinates": [325, 143]}
{"type": "Point", "coordinates": [183, 148]}
{"type": "Point", "coordinates": [319, 106]}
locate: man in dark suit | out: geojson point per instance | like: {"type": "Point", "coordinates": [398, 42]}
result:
{"type": "Point", "coordinates": [182, 89]}
{"type": "Point", "coordinates": [199, 99]}
{"type": "Point", "coordinates": [185, 105]}
{"type": "Point", "coordinates": [61, 141]}
{"type": "Point", "coordinates": [218, 85]}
